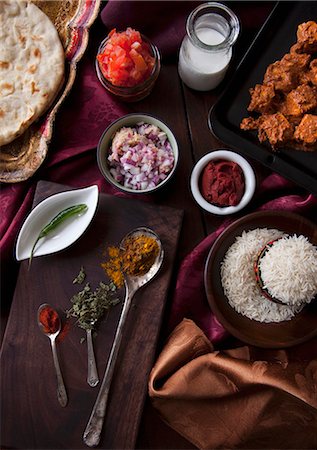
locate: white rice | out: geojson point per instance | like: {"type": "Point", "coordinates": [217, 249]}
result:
{"type": "Point", "coordinates": [239, 282]}
{"type": "Point", "coordinates": [289, 270]}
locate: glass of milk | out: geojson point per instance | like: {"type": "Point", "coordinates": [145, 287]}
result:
{"type": "Point", "coordinates": [205, 53]}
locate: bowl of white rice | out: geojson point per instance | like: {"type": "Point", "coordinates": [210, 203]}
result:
{"type": "Point", "coordinates": [286, 270]}
{"type": "Point", "coordinates": [137, 153]}
{"type": "Point", "coordinates": [233, 291]}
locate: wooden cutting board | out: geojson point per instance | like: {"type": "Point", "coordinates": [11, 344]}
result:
{"type": "Point", "coordinates": [31, 414]}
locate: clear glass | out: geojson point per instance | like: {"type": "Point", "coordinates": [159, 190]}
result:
{"type": "Point", "coordinates": [206, 50]}
{"type": "Point", "coordinates": [138, 92]}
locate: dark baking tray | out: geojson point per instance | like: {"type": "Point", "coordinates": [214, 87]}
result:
{"type": "Point", "coordinates": [272, 42]}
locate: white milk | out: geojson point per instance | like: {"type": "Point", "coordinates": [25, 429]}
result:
{"type": "Point", "coordinates": [210, 36]}
{"type": "Point", "coordinates": [206, 50]}
{"type": "Point", "coordinates": [201, 69]}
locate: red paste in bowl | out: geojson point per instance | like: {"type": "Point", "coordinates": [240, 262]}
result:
{"type": "Point", "coordinates": [222, 183]}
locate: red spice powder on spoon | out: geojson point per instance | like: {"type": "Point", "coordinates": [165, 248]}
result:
{"type": "Point", "coordinates": [49, 319]}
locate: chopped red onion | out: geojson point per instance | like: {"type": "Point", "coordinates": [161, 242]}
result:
{"type": "Point", "coordinates": [140, 157]}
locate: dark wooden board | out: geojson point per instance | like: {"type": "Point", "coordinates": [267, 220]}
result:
{"type": "Point", "coordinates": [31, 415]}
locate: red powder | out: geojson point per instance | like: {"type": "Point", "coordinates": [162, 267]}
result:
{"type": "Point", "coordinates": [66, 326]}
{"type": "Point", "coordinates": [49, 319]}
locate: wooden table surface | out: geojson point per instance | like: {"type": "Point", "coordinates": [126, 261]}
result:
{"type": "Point", "coordinates": [186, 112]}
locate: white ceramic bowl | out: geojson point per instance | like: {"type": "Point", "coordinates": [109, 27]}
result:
{"type": "Point", "coordinates": [66, 233]}
{"type": "Point", "coordinates": [105, 144]}
{"type": "Point", "coordinates": [249, 179]}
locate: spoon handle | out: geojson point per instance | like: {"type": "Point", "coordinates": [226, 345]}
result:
{"type": "Point", "coordinates": [93, 429]}
{"type": "Point", "coordinates": [92, 375]}
{"type": "Point", "coordinates": [61, 391]}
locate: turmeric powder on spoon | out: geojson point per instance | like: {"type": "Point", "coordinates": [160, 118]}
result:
{"type": "Point", "coordinates": [134, 259]}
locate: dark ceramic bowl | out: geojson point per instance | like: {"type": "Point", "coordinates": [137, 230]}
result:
{"type": "Point", "coordinates": [300, 328]}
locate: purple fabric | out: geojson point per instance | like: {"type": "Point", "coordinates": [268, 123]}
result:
{"type": "Point", "coordinates": [150, 20]}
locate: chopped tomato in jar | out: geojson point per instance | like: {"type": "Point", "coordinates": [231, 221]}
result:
{"type": "Point", "coordinates": [126, 59]}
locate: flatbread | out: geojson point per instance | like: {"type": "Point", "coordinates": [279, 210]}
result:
{"type": "Point", "coordinates": [31, 66]}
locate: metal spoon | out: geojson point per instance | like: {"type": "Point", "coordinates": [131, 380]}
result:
{"type": "Point", "coordinates": [61, 391]}
{"type": "Point", "coordinates": [132, 284]}
{"type": "Point", "coordinates": [92, 374]}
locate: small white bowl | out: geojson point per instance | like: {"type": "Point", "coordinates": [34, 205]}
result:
{"type": "Point", "coordinates": [105, 143]}
{"type": "Point", "coordinates": [66, 233]}
{"type": "Point", "coordinates": [249, 179]}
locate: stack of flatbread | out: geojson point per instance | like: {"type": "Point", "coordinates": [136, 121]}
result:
{"type": "Point", "coordinates": [31, 66]}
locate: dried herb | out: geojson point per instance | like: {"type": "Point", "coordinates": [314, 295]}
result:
{"type": "Point", "coordinates": [89, 306]}
{"type": "Point", "coordinates": [80, 277]}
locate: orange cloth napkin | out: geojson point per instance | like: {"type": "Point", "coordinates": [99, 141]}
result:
{"type": "Point", "coordinates": [240, 398]}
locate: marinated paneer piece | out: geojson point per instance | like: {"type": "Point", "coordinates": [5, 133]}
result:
{"type": "Point", "coordinates": [282, 79]}
{"type": "Point", "coordinates": [276, 129]}
{"type": "Point", "coordinates": [306, 132]}
{"type": "Point", "coordinates": [296, 48]}
{"type": "Point", "coordinates": [294, 62]}
{"type": "Point", "coordinates": [284, 74]}
{"type": "Point", "coordinates": [261, 98]}
{"type": "Point", "coordinates": [311, 75]}
{"type": "Point", "coordinates": [313, 72]}
{"type": "Point", "coordinates": [305, 78]}
{"type": "Point", "coordinates": [307, 36]}
{"type": "Point", "coordinates": [300, 101]}
{"type": "Point", "coordinates": [249, 123]}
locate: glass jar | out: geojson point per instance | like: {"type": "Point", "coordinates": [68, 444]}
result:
{"type": "Point", "coordinates": [141, 90]}
{"type": "Point", "coordinates": [206, 50]}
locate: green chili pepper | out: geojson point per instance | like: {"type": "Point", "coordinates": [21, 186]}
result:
{"type": "Point", "coordinates": [57, 220]}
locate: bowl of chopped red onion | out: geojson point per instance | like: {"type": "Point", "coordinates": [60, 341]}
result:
{"type": "Point", "coordinates": [137, 153]}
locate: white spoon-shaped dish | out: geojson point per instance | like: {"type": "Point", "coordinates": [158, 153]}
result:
{"type": "Point", "coordinates": [66, 233]}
